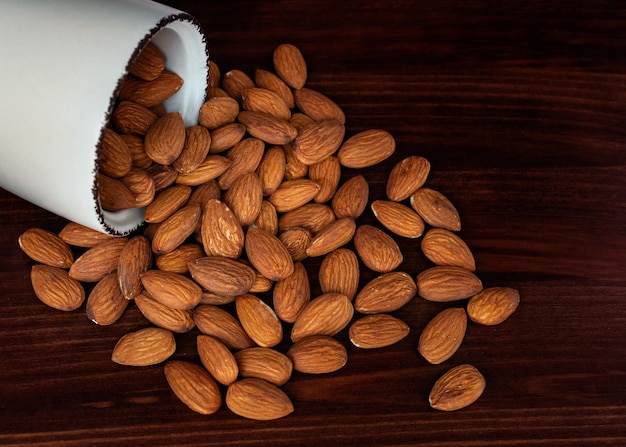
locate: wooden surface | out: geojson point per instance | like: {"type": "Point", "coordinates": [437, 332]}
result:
{"type": "Point", "coordinates": [520, 107]}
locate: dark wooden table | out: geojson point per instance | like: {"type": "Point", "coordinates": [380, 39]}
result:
{"type": "Point", "coordinates": [521, 109]}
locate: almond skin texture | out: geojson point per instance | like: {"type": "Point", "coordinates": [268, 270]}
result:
{"type": "Point", "coordinates": [259, 320]}
{"type": "Point", "coordinates": [150, 93]}
{"type": "Point", "coordinates": [443, 335]}
{"type": "Point", "coordinates": [268, 255]}
{"type": "Point", "coordinates": [235, 82]}
{"type": "Point", "coordinates": [406, 177]}
{"type": "Point", "coordinates": [217, 322]}
{"type": "Point", "coordinates": [245, 197]}
{"type": "Point", "coordinates": [290, 65]}
{"type": "Point", "coordinates": [46, 247]}
{"type": "Point", "coordinates": [136, 258]}
{"type": "Point", "coordinates": [351, 198]}
{"type": "Point", "coordinates": [171, 289]}
{"type": "Point", "coordinates": [327, 314]}
{"type": "Point", "coordinates": [141, 186]}
{"type": "Point", "coordinates": [327, 174]}
{"type": "Point", "coordinates": [217, 359]}
{"type": "Point", "coordinates": [366, 148]}
{"type": "Point", "coordinates": [106, 303]}
{"type": "Point", "coordinates": [493, 305]}
{"type": "Point", "coordinates": [385, 293]}
{"type": "Point", "coordinates": [457, 388]}
{"type": "Point", "coordinates": [177, 261]}
{"type": "Point", "coordinates": [222, 234]}
{"type": "Point", "coordinates": [195, 150]}
{"type": "Point", "coordinates": [166, 203]}
{"type": "Point", "coordinates": [443, 247]}
{"type": "Point", "coordinates": [144, 347]}
{"type": "Point", "coordinates": [133, 119]}
{"type": "Point", "coordinates": [312, 216]}
{"type": "Point", "coordinates": [221, 275]}
{"type": "Point", "coordinates": [113, 194]}
{"type": "Point", "coordinates": [296, 240]}
{"type": "Point", "coordinates": [334, 235]}
{"type": "Point", "coordinates": [435, 209]}
{"type": "Point", "coordinates": [266, 127]}
{"type": "Point", "coordinates": [318, 354]}
{"type": "Point", "coordinates": [264, 100]}
{"type": "Point", "coordinates": [264, 363]}
{"type": "Point", "coordinates": [225, 137]}
{"type": "Point", "coordinates": [340, 272]}
{"type": "Point", "coordinates": [149, 63]}
{"type": "Point", "coordinates": [218, 111]}
{"type": "Point", "coordinates": [292, 194]}
{"type": "Point", "coordinates": [377, 331]}
{"type": "Point", "coordinates": [98, 261]}
{"type": "Point", "coordinates": [211, 168]}
{"type": "Point", "coordinates": [318, 140]}
{"type": "Point", "coordinates": [79, 235]}
{"type": "Point", "coordinates": [292, 294]}
{"type": "Point", "coordinates": [245, 156]}
{"type": "Point", "coordinates": [55, 288]}
{"type": "Point", "coordinates": [257, 399]}
{"type": "Point", "coordinates": [271, 169]}
{"type": "Point", "coordinates": [176, 229]}
{"type": "Point", "coordinates": [398, 218]}
{"type": "Point", "coordinates": [114, 158]}
{"type": "Point", "coordinates": [165, 139]}
{"type": "Point", "coordinates": [175, 320]}
{"type": "Point", "coordinates": [194, 386]}
{"type": "Point", "coordinates": [378, 251]}
{"type": "Point", "coordinates": [447, 283]}
{"type": "Point", "coordinates": [268, 80]}
{"type": "Point", "coordinates": [317, 105]}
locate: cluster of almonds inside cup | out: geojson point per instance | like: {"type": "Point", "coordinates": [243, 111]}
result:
{"type": "Point", "coordinates": [234, 206]}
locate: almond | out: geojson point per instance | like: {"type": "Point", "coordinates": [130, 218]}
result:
{"type": "Point", "coordinates": [114, 158]}
{"type": "Point", "coordinates": [136, 148]}
{"type": "Point", "coordinates": [225, 137]}
{"type": "Point", "coordinates": [150, 93]}
{"type": "Point", "coordinates": [264, 363]}
{"type": "Point", "coordinates": [406, 177]}
{"type": "Point", "coordinates": [443, 335]}
{"type": "Point", "coordinates": [447, 283]}
{"type": "Point", "coordinates": [246, 157]}
{"type": "Point", "coordinates": [299, 120]}
{"type": "Point", "coordinates": [292, 194]}
{"type": "Point", "coordinates": [318, 140]}
{"type": "Point", "coordinates": [259, 320]}
{"type": "Point", "coordinates": [195, 149]}
{"type": "Point", "coordinates": [263, 100]}
{"type": "Point", "coordinates": [113, 194]}
{"type": "Point", "coordinates": [317, 105]}
{"type": "Point", "coordinates": [211, 168]}
{"type": "Point", "coordinates": [106, 303]}
{"type": "Point", "coordinates": [176, 229]}
{"type": "Point", "coordinates": [171, 289]}
{"type": "Point", "coordinates": [385, 293]}
{"type": "Point", "coordinates": [318, 354]}
{"type": "Point", "coordinates": [222, 234]}
{"type": "Point", "coordinates": [339, 272]}
{"type": "Point", "coordinates": [334, 235]}
{"type": "Point", "coordinates": [268, 254]}
{"type": "Point", "coordinates": [292, 294]}
{"type": "Point", "coordinates": [269, 128]}
{"type": "Point", "coordinates": [55, 288]}
{"type": "Point", "coordinates": [205, 192]}
{"type": "Point", "coordinates": [135, 258]}
{"type": "Point", "coordinates": [271, 169]}
{"type": "Point", "coordinates": [217, 359]}
{"type": "Point", "coordinates": [132, 118]}
{"type": "Point", "coordinates": [378, 251]}
{"type": "Point", "coordinates": [217, 322]}
{"type": "Point", "coordinates": [214, 77]}
{"type": "Point", "coordinates": [326, 314]}
{"type": "Point", "coordinates": [398, 218]}
{"type": "Point", "coordinates": [435, 209]}
{"type": "Point", "coordinates": [351, 198]}
{"type": "Point", "coordinates": [98, 261]}
{"type": "Point", "coordinates": [221, 275]}
{"type": "Point", "coordinates": [46, 247]}
{"type": "Point", "coordinates": [149, 64]}
{"type": "Point", "coordinates": [268, 80]}
{"type": "Point", "coordinates": [166, 203]}
{"type": "Point", "coordinates": [257, 399]}
{"type": "Point", "coordinates": [177, 260]}
{"type": "Point", "coordinates": [166, 138]}
{"type": "Point", "coordinates": [234, 82]}
{"type": "Point", "coordinates": [377, 331]}
{"type": "Point", "coordinates": [312, 216]}
{"type": "Point", "coordinates": [366, 148]}
{"type": "Point", "coordinates": [141, 185]}
{"type": "Point", "coordinates": [163, 176]}
{"type": "Point", "coordinates": [457, 388]}
{"type": "Point", "coordinates": [290, 65]}
{"type": "Point", "coordinates": [244, 197]}
{"type": "Point", "coordinates": [443, 247]}
{"type": "Point", "coordinates": [218, 111]}
{"type": "Point", "coordinates": [268, 218]}
{"type": "Point", "coordinates": [327, 174]}
{"type": "Point", "coordinates": [261, 284]}
{"type": "Point", "coordinates": [81, 236]}
{"type": "Point", "coordinates": [175, 320]}
{"type": "Point", "coordinates": [493, 305]}
{"type": "Point", "coordinates": [194, 386]}
{"type": "Point", "coordinates": [296, 240]}
{"type": "Point", "coordinates": [294, 168]}
{"type": "Point", "coordinates": [144, 347]}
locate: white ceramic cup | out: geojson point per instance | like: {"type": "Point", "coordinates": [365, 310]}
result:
{"type": "Point", "coordinates": [62, 62]}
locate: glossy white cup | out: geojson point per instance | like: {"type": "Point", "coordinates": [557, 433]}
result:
{"type": "Point", "coordinates": [62, 62]}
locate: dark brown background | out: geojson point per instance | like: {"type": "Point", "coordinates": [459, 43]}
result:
{"type": "Point", "coordinates": [520, 107]}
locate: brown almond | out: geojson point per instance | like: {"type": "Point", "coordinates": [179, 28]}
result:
{"type": "Point", "coordinates": [351, 197]}
{"type": "Point", "coordinates": [171, 289]}
{"type": "Point", "coordinates": [377, 331]}
{"type": "Point", "coordinates": [132, 118]}
{"type": "Point", "coordinates": [261, 284]}
{"type": "Point", "coordinates": [149, 64]}
{"type": "Point", "coordinates": [215, 76]}
{"type": "Point", "coordinates": [271, 169]}
{"type": "Point", "coordinates": [141, 185]}
{"type": "Point", "coordinates": [55, 288]}
{"type": "Point", "coordinates": [176, 320]}
{"type": "Point", "coordinates": [263, 100]}
{"type": "Point", "coordinates": [292, 194]}
{"type": "Point", "coordinates": [317, 105]}
{"type": "Point", "coordinates": [398, 218]}
{"type": "Point", "coordinates": [245, 197]}
{"type": "Point", "coordinates": [264, 363]}
{"type": "Point", "coordinates": [144, 347]}
{"type": "Point", "coordinates": [195, 149]}
{"type": "Point", "coordinates": [294, 168]}
{"type": "Point", "coordinates": [444, 283]}
{"type": "Point", "coordinates": [292, 294]}
{"type": "Point", "coordinates": [150, 93]}
{"type": "Point", "coordinates": [113, 194]}
{"type": "Point", "coordinates": [443, 335]}
{"type": "Point", "coordinates": [163, 176]}
{"type": "Point", "coordinates": [266, 127]}
{"type": "Point", "coordinates": [340, 272]}
{"type": "Point", "coordinates": [214, 298]}
{"type": "Point", "coordinates": [436, 209]}
{"type": "Point", "coordinates": [327, 174]}
{"type": "Point", "coordinates": [135, 258]}
{"type": "Point", "coordinates": [211, 168]}
{"type": "Point", "coordinates": [312, 216]}
{"type": "Point", "coordinates": [218, 111]}
{"type": "Point", "coordinates": [114, 158]}
{"type": "Point", "coordinates": [226, 136]}
{"type": "Point", "coordinates": [79, 235]}
{"type": "Point", "coordinates": [290, 65]}
{"type": "Point", "coordinates": [166, 203]}
{"type": "Point", "coordinates": [377, 250]}
{"type": "Point", "coordinates": [176, 229]}
{"type": "Point", "coordinates": [135, 147]}
{"type": "Point", "coordinates": [268, 218]}
{"type": "Point", "coordinates": [406, 177]}
{"type": "Point", "coordinates": [442, 247]}
{"type": "Point", "coordinates": [257, 399]}
{"type": "Point", "coordinates": [177, 260]}
{"type": "Point", "coordinates": [268, 80]}
{"type": "Point", "coordinates": [318, 140]}
{"type": "Point", "coordinates": [98, 261]}
{"type": "Point", "coordinates": [221, 275]}
{"type": "Point", "coordinates": [318, 354]}
{"type": "Point", "coordinates": [194, 386]}
{"type": "Point", "coordinates": [222, 234]}
{"type": "Point", "coordinates": [296, 240]}
{"type": "Point", "coordinates": [106, 303]}
{"type": "Point", "coordinates": [457, 388]}
{"type": "Point", "coordinates": [385, 293]}
{"type": "Point", "coordinates": [205, 192]}
{"type": "Point", "coordinates": [326, 314]}
{"type": "Point", "coordinates": [234, 82]}
{"type": "Point", "coordinates": [299, 120]}
{"type": "Point", "coordinates": [493, 305]}
{"type": "Point", "coordinates": [268, 254]}
{"type": "Point", "coordinates": [217, 359]}
{"type": "Point", "coordinates": [334, 235]}
{"type": "Point", "coordinates": [366, 148]}
{"type": "Point", "coordinates": [217, 322]}
{"type": "Point", "coordinates": [246, 157]}
{"type": "Point", "coordinates": [165, 139]}
{"type": "Point", "coordinates": [259, 320]}
{"type": "Point", "coordinates": [46, 247]}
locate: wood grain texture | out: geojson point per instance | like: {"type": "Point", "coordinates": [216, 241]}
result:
{"type": "Point", "coordinates": [520, 107]}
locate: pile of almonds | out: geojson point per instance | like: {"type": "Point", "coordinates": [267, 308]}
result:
{"type": "Point", "coordinates": [233, 206]}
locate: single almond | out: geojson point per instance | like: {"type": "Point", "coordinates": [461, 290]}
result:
{"type": "Point", "coordinates": [398, 218]}
{"type": "Point", "coordinates": [444, 247]}
{"type": "Point", "coordinates": [211, 168]}
{"type": "Point", "coordinates": [264, 363]}
{"type": "Point", "coordinates": [144, 347]}
{"type": "Point", "coordinates": [457, 388]}
{"type": "Point", "coordinates": [327, 174]}
{"type": "Point", "coordinates": [166, 203]}
{"type": "Point", "coordinates": [406, 177]}
{"type": "Point", "coordinates": [326, 314]}
{"type": "Point", "coordinates": [261, 284]}
{"type": "Point", "coordinates": [312, 216]}
{"type": "Point", "coordinates": [318, 140]}
{"type": "Point", "coordinates": [436, 209]}
{"type": "Point", "coordinates": [218, 111]}
{"type": "Point", "coordinates": [292, 294]}
{"type": "Point", "coordinates": [378, 250]}
{"type": "Point", "coordinates": [141, 185]}
{"type": "Point", "coordinates": [98, 261]}
{"type": "Point", "coordinates": [268, 80]}
{"type": "Point", "coordinates": [444, 283]}
{"type": "Point", "coordinates": [175, 320]}
{"type": "Point", "coordinates": [267, 254]}
{"type": "Point", "coordinates": [132, 118]}
{"type": "Point", "coordinates": [217, 322]}
{"type": "Point", "coordinates": [194, 386]}
{"type": "Point", "coordinates": [234, 82]}
{"type": "Point", "coordinates": [136, 148]}
{"type": "Point", "coordinates": [171, 289]}
{"type": "Point", "coordinates": [195, 149]}
{"type": "Point", "coordinates": [299, 120]}
{"type": "Point", "coordinates": [46, 247]}
{"type": "Point", "coordinates": [114, 158]}
{"type": "Point", "coordinates": [150, 93]}
{"type": "Point", "coordinates": [340, 272]}
{"type": "Point", "coordinates": [334, 235]}
{"type": "Point", "coordinates": [290, 65]}
{"type": "Point", "coordinates": [176, 229]}
{"type": "Point", "coordinates": [113, 194]}
{"type": "Point", "coordinates": [226, 136]}
{"type": "Point", "coordinates": [385, 293]}
{"type": "Point", "coordinates": [245, 156]}
{"type": "Point", "coordinates": [149, 64]}
{"type": "Point", "coordinates": [366, 148]}
{"type": "Point", "coordinates": [56, 288]}
{"type": "Point", "coordinates": [263, 100]}
{"type": "Point", "coordinates": [259, 320]}
{"type": "Point", "coordinates": [268, 218]}
{"type": "Point", "coordinates": [351, 197]}
{"type": "Point", "coordinates": [377, 331]}
{"type": "Point", "coordinates": [166, 138]}
{"type": "Point", "coordinates": [222, 275]}
{"type": "Point", "coordinates": [79, 235]}
{"type": "Point", "coordinates": [205, 192]}
{"type": "Point", "coordinates": [318, 354]}
{"type": "Point", "coordinates": [177, 260]}
{"type": "Point", "coordinates": [443, 335]}
{"type": "Point", "coordinates": [245, 197]}
{"type": "Point", "coordinates": [106, 303]}
{"type": "Point", "coordinates": [135, 258]}
{"type": "Point", "coordinates": [163, 176]}
{"type": "Point", "coordinates": [266, 127]}
{"type": "Point", "coordinates": [294, 168]}
{"type": "Point", "coordinates": [493, 305]}
{"type": "Point", "coordinates": [317, 105]}
{"type": "Point", "coordinates": [217, 359]}
{"type": "Point", "coordinates": [271, 169]}
{"type": "Point", "coordinates": [257, 399]}
{"type": "Point", "coordinates": [296, 240]}
{"type": "Point", "coordinates": [222, 234]}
